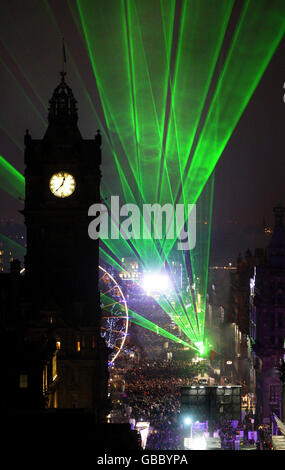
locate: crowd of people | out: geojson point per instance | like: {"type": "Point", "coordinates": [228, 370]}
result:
{"type": "Point", "coordinates": [265, 438]}
{"type": "Point", "coordinates": [153, 393]}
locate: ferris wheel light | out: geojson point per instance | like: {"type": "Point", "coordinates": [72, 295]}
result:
{"type": "Point", "coordinates": [113, 330]}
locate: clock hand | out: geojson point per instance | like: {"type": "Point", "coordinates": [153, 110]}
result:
{"type": "Point", "coordinates": [61, 184]}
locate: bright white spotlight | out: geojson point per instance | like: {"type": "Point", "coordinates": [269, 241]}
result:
{"type": "Point", "coordinates": [187, 420]}
{"type": "Point", "coordinates": [155, 282]}
{"type": "Point", "coordinates": [199, 443]}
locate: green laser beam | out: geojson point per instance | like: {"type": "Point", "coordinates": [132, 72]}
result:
{"type": "Point", "coordinates": [11, 180]}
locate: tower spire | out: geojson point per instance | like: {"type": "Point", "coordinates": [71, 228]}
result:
{"type": "Point", "coordinates": [63, 72]}
{"type": "Point", "coordinates": [62, 111]}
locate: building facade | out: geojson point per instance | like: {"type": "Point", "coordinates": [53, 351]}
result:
{"type": "Point", "coordinates": [57, 318]}
{"type": "Point", "coordinates": [241, 289]}
{"type": "Point", "coordinates": [267, 322]}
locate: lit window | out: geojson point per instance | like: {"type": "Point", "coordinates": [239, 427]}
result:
{"type": "Point", "coordinates": [23, 381]}
{"type": "Point", "coordinates": [78, 346]}
{"type": "Point", "coordinates": [57, 345]}
{"type": "Point", "coordinates": [54, 372]}
{"type": "Point", "coordinates": [44, 379]}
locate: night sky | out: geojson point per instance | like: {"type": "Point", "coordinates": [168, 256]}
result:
{"type": "Point", "coordinates": [249, 177]}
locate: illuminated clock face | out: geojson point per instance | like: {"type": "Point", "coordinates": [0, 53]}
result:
{"type": "Point", "coordinates": [62, 184]}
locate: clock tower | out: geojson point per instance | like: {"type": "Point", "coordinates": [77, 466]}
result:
{"type": "Point", "coordinates": [62, 180]}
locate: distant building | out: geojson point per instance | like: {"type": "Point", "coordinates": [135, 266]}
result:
{"type": "Point", "coordinates": [132, 270]}
{"type": "Point", "coordinates": [239, 316]}
{"type": "Point", "coordinates": [133, 274]}
{"type": "Point", "coordinates": [178, 272]}
{"type": "Point", "coordinates": [1, 256]}
{"type": "Point", "coordinates": [267, 322]}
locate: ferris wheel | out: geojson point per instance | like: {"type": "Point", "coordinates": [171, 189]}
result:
{"type": "Point", "coordinates": [115, 316]}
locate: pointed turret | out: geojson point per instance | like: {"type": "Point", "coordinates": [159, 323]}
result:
{"type": "Point", "coordinates": [63, 115]}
